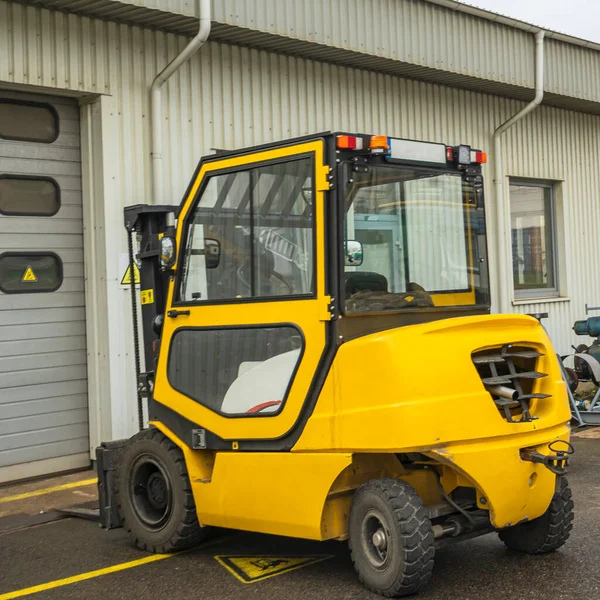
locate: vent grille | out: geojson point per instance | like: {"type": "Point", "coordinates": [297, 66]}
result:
{"type": "Point", "coordinates": [509, 374]}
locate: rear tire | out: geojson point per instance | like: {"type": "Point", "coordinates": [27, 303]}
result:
{"type": "Point", "coordinates": [548, 532]}
{"type": "Point", "coordinates": [390, 538]}
{"type": "Point", "coordinates": [154, 495]}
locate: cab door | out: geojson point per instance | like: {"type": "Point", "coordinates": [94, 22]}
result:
{"type": "Point", "coordinates": [247, 313]}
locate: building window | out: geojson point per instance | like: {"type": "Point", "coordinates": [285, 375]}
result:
{"type": "Point", "coordinates": [28, 196]}
{"type": "Point", "coordinates": [532, 208]}
{"type": "Point", "coordinates": [28, 121]}
{"type": "Point", "coordinates": [30, 272]}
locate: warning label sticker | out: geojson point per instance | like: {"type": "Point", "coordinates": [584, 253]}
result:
{"type": "Point", "coordinates": [147, 296]}
{"type": "Point", "coordinates": [250, 569]}
{"type": "Point", "coordinates": [126, 279]}
{"type": "Point", "coordinates": [29, 275]}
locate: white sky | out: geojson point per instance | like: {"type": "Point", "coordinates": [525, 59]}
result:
{"type": "Point", "coordinates": [579, 18]}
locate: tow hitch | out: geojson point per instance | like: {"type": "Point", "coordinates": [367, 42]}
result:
{"type": "Point", "coordinates": [556, 462]}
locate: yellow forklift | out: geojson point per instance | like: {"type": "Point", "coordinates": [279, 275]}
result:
{"type": "Point", "coordinates": [321, 362]}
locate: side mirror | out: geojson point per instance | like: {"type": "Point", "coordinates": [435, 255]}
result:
{"type": "Point", "coordinates": [212, 253]}
{"type": "Point", "coordinates": [354, 253]}
{"type": "Point", "coordinates": [167, 252]}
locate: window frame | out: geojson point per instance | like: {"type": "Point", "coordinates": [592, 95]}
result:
{"type": "Point", "coordinates": [16, 176]}
{"type": "Point", "coordinates": [522, 294]}
{"type": "Point", "coordinates": [36, 253]}
{"type": "Point", "coordinates": [44, 105]}
{"type": "Point", "coordinates": [236, 327]}
{"type": "Point", "coordinates": [181, 250]}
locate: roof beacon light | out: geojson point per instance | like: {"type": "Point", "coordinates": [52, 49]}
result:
{"type": "Point", "coordinates": [379, 142]}
{"type": "Point", "coordinates": [463, 155]}
{"type": "Point", "coordinates": [349, 142]}
{"type": "Point", "coordinates": [449, 153]}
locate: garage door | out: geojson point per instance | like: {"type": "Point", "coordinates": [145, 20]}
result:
{"type": "Point", "coordinates": [43, 385]}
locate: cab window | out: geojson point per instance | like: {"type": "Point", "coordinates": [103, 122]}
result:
{"type": "Point", "coordinates": [421, 236]}
{"type": "Point", "coordinates": [251, 235]}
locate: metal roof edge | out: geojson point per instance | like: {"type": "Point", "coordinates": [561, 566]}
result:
{"type": "Point", "coordinates": [488, 15]}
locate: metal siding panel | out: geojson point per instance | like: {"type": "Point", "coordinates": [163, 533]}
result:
{"type": "Point", "coordinates": [56, 299]}
{"type": "Point", "coordinates": [37, 376]}
{"type": "Point", "coordinates": [48, 443]}
{"type": "Point", "coordinates": [41, 315]}
{"type": "Point", "coordinates": [31, 324]}
{"type": "Point", "coordinates": [41, 345]}
{"type": "Point", "coordinates": [44, 391]}
{"type": "Point", "coordinates": [14, 410]}
{"type": "Point", "coordinates": [42, 360]}
{"type": "Point", "coordinates": [33, 423]}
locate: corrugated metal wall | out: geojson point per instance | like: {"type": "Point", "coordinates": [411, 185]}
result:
{"type": "Point", "coordinates": [412, 31]}
{"type": "Point", "coordinates": [230, 96]}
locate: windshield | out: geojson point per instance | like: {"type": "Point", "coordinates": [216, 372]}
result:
{"type": "Point", "coordinates": [422, 233]}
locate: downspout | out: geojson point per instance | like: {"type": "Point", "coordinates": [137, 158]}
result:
{"type": "Point", "coordinates": [502, 210]}
{"type": "Point", "coordinates": [156, 108]}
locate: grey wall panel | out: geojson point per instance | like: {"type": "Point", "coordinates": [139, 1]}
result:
{"type": "Point", "coordinates": [34, 423]}
{"type": "Point", "coordinates": [26, 347]}
{"type": "Point", "coordinates": [16, 241]}
{"type": "Point", "coordinates": [46, 330]}
{"type": "Point", "coordinates": [56, 358]}
{"type": "Point", "coordinates": [55, 300]}
{"type": "Point", "coordinates": [33, 448]}
{"type": "Point", "coordinates": [35, 316]}
{"type": "Point", "coordinates": [44, 391]}
{"type": "Point", "coordinates": [14, 410]}
{"type": "Point", "coordinates": [43, 356]}
{"type": "Point", "coordinates": [36, 376]}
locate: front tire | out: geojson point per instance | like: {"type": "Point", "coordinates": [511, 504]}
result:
{"type": "Point", "coordinates": [154, 495]}
{"type": "Point", "coordinates": [390, 538]}
{"type": "Point", "coordinates": [548, 532]}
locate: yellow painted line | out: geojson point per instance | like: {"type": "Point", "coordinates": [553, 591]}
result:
{"type": "Point", "coordinates": [83, 576]}
{"type": "Point", "coordinates": [100, 572]}
{"type": "Point", "coordinates": [50, 490]}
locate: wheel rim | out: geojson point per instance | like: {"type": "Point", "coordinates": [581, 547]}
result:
{"type": "Point", "coordinates": [150, 492]}
{"type": "Point", "coordinates": [375, 538]}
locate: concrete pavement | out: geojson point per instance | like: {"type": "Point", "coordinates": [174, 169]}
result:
{"type": "Point", "coordinates": [75, 559]}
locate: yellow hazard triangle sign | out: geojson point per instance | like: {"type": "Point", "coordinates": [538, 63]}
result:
{"type": "Point", "coordinates": [29, 275]}
{"type": "Point", "coordinates": [126, 279]}
{"type": "Point", "coordinates": [249, 569]}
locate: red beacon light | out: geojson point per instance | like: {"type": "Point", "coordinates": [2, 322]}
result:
{"type": "Point", "coordinates": [349, 142]}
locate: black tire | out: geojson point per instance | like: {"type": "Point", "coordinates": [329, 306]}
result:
{"type": "Point", "coordinates": [402, 563]}
{"type": "Point", "coordinates": [154, 495]}
{"type": "Point", "coordinates": [548, 532]}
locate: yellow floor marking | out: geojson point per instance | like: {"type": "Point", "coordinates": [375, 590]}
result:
{"type": "Point", "coordinates": [83, 576]}
{"type": "Point", "coordinates": [56, 488]}
{"type": "Point", "coordinates": [250, 569]}
{"type": "Point", "coordinates": [100, 572]}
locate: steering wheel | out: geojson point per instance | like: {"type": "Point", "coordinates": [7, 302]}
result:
{"type": "Point", "coordinates": [242, 278]}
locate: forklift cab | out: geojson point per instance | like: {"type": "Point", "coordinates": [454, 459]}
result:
{"type": "Point", "coordinates": [274, 247]}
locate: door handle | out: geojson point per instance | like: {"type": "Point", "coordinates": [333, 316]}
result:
{"type": "Point", "coordinates": [176, 313]}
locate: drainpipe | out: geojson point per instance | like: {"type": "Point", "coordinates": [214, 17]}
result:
{"type": "Point", "coordinates": [502, 211]}
{"type": "Point", "coordinates": [156, 98]}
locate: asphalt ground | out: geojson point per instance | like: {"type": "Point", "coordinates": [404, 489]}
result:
{"type": "Point", "coordinates": [74, 558]}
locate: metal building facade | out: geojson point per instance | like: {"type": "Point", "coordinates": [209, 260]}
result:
{"type": "Point", "coordinates": [296, 68]}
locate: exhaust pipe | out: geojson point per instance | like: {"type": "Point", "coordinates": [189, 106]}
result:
{"type": "Point", "coordinates": [503, 392]}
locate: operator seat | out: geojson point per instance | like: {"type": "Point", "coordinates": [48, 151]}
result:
{"type": "Point", "coordinates": [364, 281]}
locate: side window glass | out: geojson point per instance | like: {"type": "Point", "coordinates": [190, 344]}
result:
{"type": "Point", "coordinates": [245, 371]}
{"type": "Point", "coordinates": [251, 235]}
{"type": "Point", "coordinates": [30, 272]}
{"type": "Point", "coordinates": [29, 196]}
{"type": "Point", "coordinates": [28, 121]}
